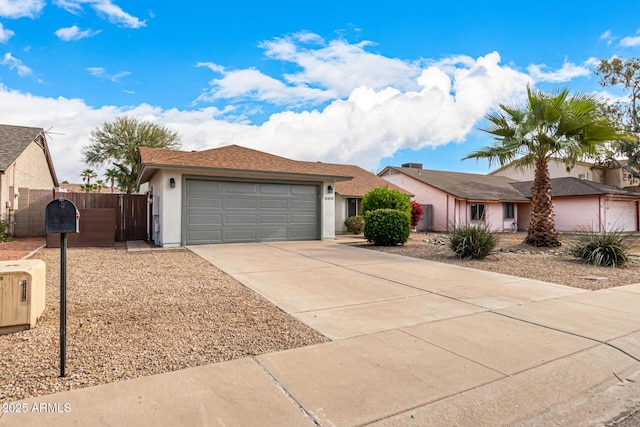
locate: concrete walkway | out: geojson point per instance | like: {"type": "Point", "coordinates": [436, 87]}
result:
{"type": "Point", "coordinates": [414, 343]}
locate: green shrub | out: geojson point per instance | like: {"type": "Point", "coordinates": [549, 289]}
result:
{"type": "Point", "coordinates": [5, 236]}
{"type": "Point", "coordinates": [608, 248]}
{"type": "Point", "coordinates": [354, 224]}
{"type": "Point", "coordinates": [383, 198]}
{"type": "Point", "coordinates": [472, 242]}
{"type": "Point", "coordinates": [387, 227]}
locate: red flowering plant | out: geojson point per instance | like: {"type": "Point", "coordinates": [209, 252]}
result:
{"type": "Point", "coordinates": [416, 213]}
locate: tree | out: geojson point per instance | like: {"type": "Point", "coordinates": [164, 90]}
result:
{"type": "Point", "coordinates": [119, 142]}
{"type": "Point", "coordinates": [383, 198]}
{"type": "Point", "coordinates": [87, 175]}
{"type": "Point", "coordinates": [111, 175]}
{"type": "Point", "coordinates": [625, 73]}
{"type": "Point", "coordinates": [547, 125]}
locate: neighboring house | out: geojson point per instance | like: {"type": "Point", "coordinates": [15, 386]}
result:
{"type": "Point", "coordinates": [581, 205]}
{"type": "Point", "coordinates": [609, 173]}
{"type": "Point", "coordinates": [26, 171]}
{"type": "Point", "coordinates": [79, 188]}
{"type": "Point", "coordinates": [236, 194]}
{"type": "Point", "coordinates": [349, 194]}
{"type": "Point", "coordinates": [460, 199]}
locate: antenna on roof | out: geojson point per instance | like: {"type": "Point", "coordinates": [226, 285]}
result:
{"type": "Point", "coordinates": [49, 133]}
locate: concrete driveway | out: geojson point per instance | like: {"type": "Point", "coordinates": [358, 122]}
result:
{"type": "Point", "coordinates": [414, 343]}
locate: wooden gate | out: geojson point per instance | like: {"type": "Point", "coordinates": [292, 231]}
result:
{"type": "Point", "coordinates": [130, 212]}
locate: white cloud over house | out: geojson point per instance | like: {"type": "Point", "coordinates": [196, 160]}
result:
{"type": "Point", "coordinates": [569, 71]}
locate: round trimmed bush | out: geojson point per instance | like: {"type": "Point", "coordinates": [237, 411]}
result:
{"type": "Point", "coordinates": [354, 224]}
{"type": "Point", "coordinates": [472, 242]}
{"type": "Point", "coordinates": [383, 198]}
{"type": "Point", "coordinates": [387, 227]}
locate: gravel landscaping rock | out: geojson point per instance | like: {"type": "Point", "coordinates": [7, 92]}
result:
{"type": "Point", "coordinates": [513, 257]}
{"type": "Point", "coordinates": [138, 314]}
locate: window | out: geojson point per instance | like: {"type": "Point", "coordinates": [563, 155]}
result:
{"type": "Point", "coordinates": [477, 211]}
{"type": "Point", "coordinates": [582, 176]}
{"type": "Point", "coordinates": [353, 207]}
{"type": "Point", "coordinates": [509, 211]}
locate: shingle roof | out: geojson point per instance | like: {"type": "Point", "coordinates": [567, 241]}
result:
{"type": "Point", "coordinates": [363, 181]}
{"type": "Point", "coordinates": [231, 158]}
{"type": "Point", "coordinates": [13, 141]}
{"type": "Point", "coordinates": [571, 186]}
{"type": "Point", "coordinates": [466, 185]}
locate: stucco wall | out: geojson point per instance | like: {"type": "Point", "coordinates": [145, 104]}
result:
{"type": "Point", "coordinates": [167, 209]}
{"type": "Point", "coordinates": [576, 214]}
{"type": "Point", "coordinates": [557, 169]}
{"type": "Point", "coordinates": [29, 170]}
{"type": "Point", "coordinates": [428, 195]}
{"type": "Point", "coordinates": [341, 214]}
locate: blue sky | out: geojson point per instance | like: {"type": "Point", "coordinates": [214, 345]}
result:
{"type": "Point", "coordinates": [370, 83]}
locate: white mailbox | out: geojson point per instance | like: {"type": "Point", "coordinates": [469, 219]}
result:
{"type": "Point", "coordinates": [22, 294]}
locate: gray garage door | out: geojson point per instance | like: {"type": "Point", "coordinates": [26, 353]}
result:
{"type": "Point", "coordinates": [233, 212]}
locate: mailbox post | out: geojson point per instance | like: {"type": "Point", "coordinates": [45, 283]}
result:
{"type": "Point", "coordinates": [62, 216]}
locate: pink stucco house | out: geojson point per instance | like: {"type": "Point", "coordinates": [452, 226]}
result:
{"type": "Point", "coordinates": [500, 203]}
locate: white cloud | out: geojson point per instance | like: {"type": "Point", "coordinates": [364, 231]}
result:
{"type": "Point", "coordinates": [362, 128]}
{"type": "Point", "coordinates": [630, 41]}
{"type": "Point", "coordinates": [606, 36]}
{"type": "Point", "coordinates": [566, 73]}
{"type": "Point", "coordinates": [212, 66]}
{"type": "Point", "coordinates": [74, 33]}
{"type": "Point", "coordinates": [20, 8]}
{"type": "Point", "coordinates": [102, 73]}
{"type": "Point", "coordinates": [15, 64]}
{"type": "Point", "coordinates": [5, 34]}
{"type": "Point", "coordinates": [328, 71]}
{"type": "Point", "coordinates": [107, 8]}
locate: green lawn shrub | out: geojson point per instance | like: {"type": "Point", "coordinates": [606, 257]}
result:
{"type": "Point", "coordinates": [387, 227]}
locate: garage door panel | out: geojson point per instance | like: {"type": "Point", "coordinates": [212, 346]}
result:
{"type": "Point", "coordinates": [204, 219]}
{"type": "Point", "coordinates": [273, 204]}
{"type": "Point", "coordinates": [273, 219]}
{"type": "Point", "coordinates": [233, 203]}
{"type": "Point", "coordinates": [204, 203]}
{"type": "Point", "coordinates": [226, 212]}
{"type": "Point", "coordinates": [273, 189]}
{"type": "Point", "coordinates": [240, 188]}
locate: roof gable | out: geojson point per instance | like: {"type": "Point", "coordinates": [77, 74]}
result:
{"type": "Point", "coordinates": [15, 139]}
{"type": "Point", "coordinates": [465, 185]}
{"type": "Point", "coordinates": [363, 181]}
{"type": "Point", "coordinates": [232, 158]}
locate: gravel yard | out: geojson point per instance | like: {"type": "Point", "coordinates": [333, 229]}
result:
{"type": "Point", "coordinates": [138, 314]}
{"type": "Point", "coordinates": [549, 265]}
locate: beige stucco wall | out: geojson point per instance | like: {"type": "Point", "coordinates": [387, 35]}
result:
{"type": "Point", "coordinates": [29, 170]}
{"type": "Point", "coordinates": [557, 169]}
{"type": "Point", "coordinates": [167, 219]}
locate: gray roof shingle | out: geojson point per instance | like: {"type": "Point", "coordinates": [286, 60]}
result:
{"type": "Point", "coordinates": [571, 186]}
{"type": "Point", "coordinates": [13, 141]}
{"type": "Point", "coordinates": [466, 185]}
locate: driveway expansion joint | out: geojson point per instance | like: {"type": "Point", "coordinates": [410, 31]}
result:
{"type": "Point", "coordinates": [285, 392]}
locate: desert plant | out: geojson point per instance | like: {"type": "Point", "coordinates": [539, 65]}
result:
{"type": "Point", "coordinates": [5, 236]}
{"type": "Point", "coordinates": [608, 248]}
{"type": "Point", "coordinates": [387, 227]}
{"type": "Point", "coordinates": [383, 198]}
{"type": "Point", "coordinates": [354, 224]}
{"type": "Point", "coordinates": [472, 242]}
{"type": "Point", "coordinates": [416, 213]}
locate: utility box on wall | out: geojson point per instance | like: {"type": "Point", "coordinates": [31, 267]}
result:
{"type": "Point", "coordinates": [22, 294]}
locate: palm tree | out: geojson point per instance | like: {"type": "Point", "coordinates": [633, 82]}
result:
{"type": "Point", "coordinates": [547, 125]}
{"type": "Point", "coordinates": [119, 142]}
{"type": "Point", "coordinates": [111, 175]}
{"type": "Point", "coordinates": [86, 175]}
